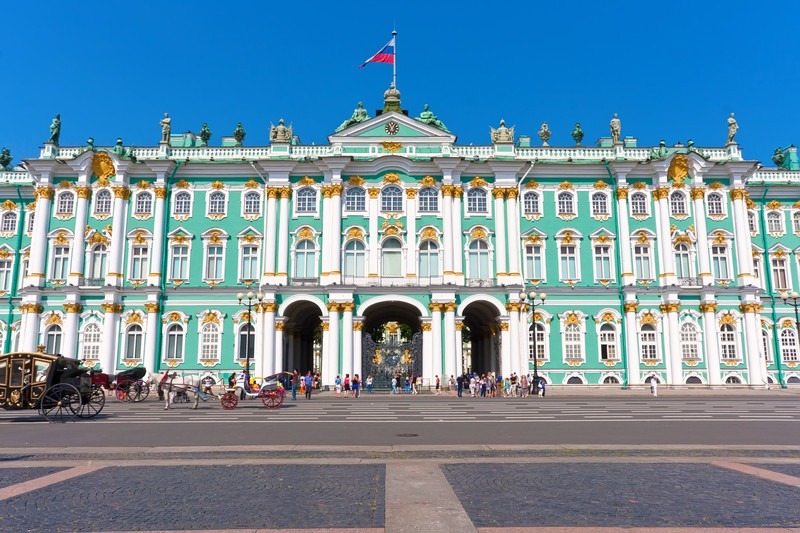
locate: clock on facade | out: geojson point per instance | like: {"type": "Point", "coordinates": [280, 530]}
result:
{"type": "Point", "coordinates": [391, 128]}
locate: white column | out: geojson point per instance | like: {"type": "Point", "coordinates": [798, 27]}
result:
{"type": "Point", "coordinates": [459, 347]}
{"type": "Point", "coordinates": [269, 309]}
{"type": "Point", "coordinates": [30, 326]}
{"type": "Point", "coordinates": [698, 196]}
{"type": "Point", "coordinates": [514, 242]}
{"type": "Point", "coordinates": [448, 241]}
{"type": "Point", "coordinates": [373, 232]}
{"type": "Point", "coordinates": [348, 366]}
{"type": "Point", "coordinates": [673, 356]}
{"type": "Point", "coordinates": [258, 323]}
{"type": "Point", "coordinates": [752, 339]}
{"type": "Point", "coordinates": [271, 233]}
{"type": "Point", "coordinates": [449, 341]}
{"type": "Point", "coordinates": [114, 275]}
{"type": "Point", "coordinates": [743, 243]}
{"type": "Point", "coordinates": [327, 368]}
{"type": "Point", "coordinates": [632, 348]}
{"type": "Point", "coordinates": [506, 341]}
{"type": "Point", "coordinates": [411, 233]}
{"type": "Point", "coordinates": [108, 351]}
{"type": "Point", "coordinates": [666, 275]}
{"type": "Point", "coordinates": [279, 365]}
{"type": "Point", "coordinates": [624, 237]}
{"type": "Point", "coordinates": [334, 233]}
{"type": "Point", "coordinates": [41, 226]}
{"type": "Point", "coordinates": [151, 336]}
{"type": "Point", "coordinates": [500, 234]}
{"type": "Point", "coordinates": [69, 345]}
{"type": "Point", "coordinates": [157, 253]}
{"type": "Point", "coordinates": [357, 348]}
{"type": "Point", "coordinates": [710, 341]}
{"type": "Point", "coordinates": [283, 236]}
{"type": "Point", "coordinates": [436, 333]}
{"type": "Point", "coordinates": [457, 235]}
{"type": "Point", "coordinates": [509, 357]}
{"type": "Point", "coordinates": [76, 259]}
{"type": "Point", "coordinates": [333, 338]}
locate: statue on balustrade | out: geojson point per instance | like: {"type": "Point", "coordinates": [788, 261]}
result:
{"type": "Point", "coordinates": [577, 134]}
{"type": "Point", "coordinates": [661, 152]}
{"type": "Point", "coordinates": [238, 134]}
{"type": "Point", "coordinates": [616, 129]}
{"type": "Point", "coordinates": [55, 130]}
{"type": "Point", "coordinates": [502, 134]}
{"type": "Point", "coordinates": [733, 127]}
{"type": "Point", "coordinates": [166, 128]}
{"type": "Point", "coordinates": [280, 133]}
{"type": "Point", "coordinates": [359, 115]}
{"type": "Point", "coordinates": [427, 117]}
{"type": "Point", "coordinates": [778, 158]}
{"type": "Point", "coordinates": [5, 159]}
{"type": "Point", "coordinates": [544, 134]}
{"type": "Point", "coordinates": [205, 134]}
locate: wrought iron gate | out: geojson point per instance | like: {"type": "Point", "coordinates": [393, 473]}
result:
{"type": "Point", "coordinates": [383, 360]}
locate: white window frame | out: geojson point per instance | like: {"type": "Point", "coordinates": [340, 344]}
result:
{"type": "Point", "coordinates": [601, 342]}
{"type": "Point", "coordinates": [212, 208]}
{"type": "Point", "coordinates": [182, 215]}
{"type": "Point", "coordinates": [727, 260]}
{"type": "Point", "coordinates": [723, 208]}
{"type": "Point", "coordinates": [566, 204]}
{"type": "Point", "coordinates": [427, 252]}
{"type": "Point", "coordinates": [53, 337]}
{"type": "Point", "coordinates": [530, 257]}
{"type": "Point", "coordinates": [573, 331]}
{"type": "Point", "coordinates": [683, 212]}
{"type": "Point", "coordinates": [606, 205]}
{"type": "Point", "coordinates": [775, 222]}
{"type": "Point", "coordinates": [562, 275]}
{"type": "Point", "coordinates": [644, 340]}
{"type": "Point", "coordinates": [126, 342]}
{"type": "Point", "coordinates": [316, 259]}
{"type": "Point", "coordinates": [536, 208]}
{"type": "Point", "coordinates": [610, 257]}
{"type": "Point", "coordinates": [631, 204]}
{"type": "Point", "coordinates": [787, 350]}
{"type": "Point", "coordinates": [353, 197]}
{"type": "Point", "coordinates": [752, 221]}
{"type": "Point", "coordinates": [172, 246]}
{"type": "Point", "coordinates": [722, 334]}
{"type": "Point", "coordinates": [766, 345]}
{"type": "Point", "coordinates": [251, 215]}
{"type": "Point", "coordinates": [65, 257]}
{"type": "Point", "coordinates": [91, 258]}
{"type": "Point", "coordinates": [97, 212]}
{"type": "Point", "coordinates": [400, 251]}
{"type": "Point", "coordinates": [139, 204]}
{"type": "Point", "coordinates": [144, 261]}
{"type": "Point", "coordinates": [238, 342]}
{"type": "Point", "coordinates": [6, 272]}
{"type": "Point", "coordinates": [542, 343]}
{"type": "Point", "coordinates": [689, 345]}
{"type": "Point", "coordinates": [431, 196]}
{"type": "Point", "coordinates": [62, 209]}
{"type": "Point", "coordinates": [95, 344]}
{"type": "Point", "coordinates": [391, 199]}
{"type": "Point", "coordinates": [241, 267]}
{"type": "Point", "coordinates": [180, 352]}
{"type": "Point", "coordinates": [303, 199]}
{"type": "Point", "coordinates": [773, 272]}
{"type": "Point", "coordinates": [690, 260]}
{"type": "Point", "coordinates": [9, 223]}
{"type": "Point", "coordinates": [639, 260]}
{"type": "Point", "coordinates": [796, 222]}
{"type": "Point", "coordinates": [480, 251]}
{"type": "Point", "coordinates": [209, 342]}
{"type": "Point", "coordinates": [477, 197]}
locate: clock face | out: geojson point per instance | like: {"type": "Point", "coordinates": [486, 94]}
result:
{"type": "Point", "coordinates": [392, 128]}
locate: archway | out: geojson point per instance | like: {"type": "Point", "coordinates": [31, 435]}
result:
{"type": "Point", "coordinates": [391, 342]}
{"type": "Point", "coordinates": [481, 338]}
{"type": "Point", "coordinates": [302, 337]}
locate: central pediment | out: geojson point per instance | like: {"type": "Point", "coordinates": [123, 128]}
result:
{"type": "Point", "coordinates": [392, 126]}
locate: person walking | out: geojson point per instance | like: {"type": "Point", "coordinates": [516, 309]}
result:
{"type": "Point", "coordinates": [394, 385]}
{"type": "Point", "coordinates": [542, 388]}
{"type": "Point", "coordinates": [308, 381]}
{"type": "Point", "coordinates": [460, 384]}
{"type": "Point", "coordinates": [338, 384]}
{"type": "Point", "coordinates": [413, 384]}
{"type": "Point", "coordinates": [295, 377]}
{"type": "Point", "coordinates": [347, 385]}
{"type": "Point", "coordinates": [368, 383]}
{"type": "Point", "coordinates": [354, 384]}
{"type": "Point", "coordinates": [654, 386]}
{"type": "Point", "coordinates": [438, 385]}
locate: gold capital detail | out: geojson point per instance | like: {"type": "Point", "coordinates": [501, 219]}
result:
{"type": "Point", "coordinates": [459, 326]}
{"type": "Point", "coordinates": [411, 193]}
{"type": "Point", "coordinates": [161, 192]}
{"type": "Point", "coordinates": [333, 306]}
{"type": "Point", "coordinates": [111, 308]}
{"type": "Point", "coordinates": [513, 307]}
{"type": "Point", "coordinates": [358, 326]}
{"type": "Point", "coordinates": [436, 307]}
{"type": "Point", "coordinates": [499, 192]}
{"type": "Point", "coordinates": [622, 193]}
{"type": "Point", "coordinates": [279, 326]}
{"type": "Point", "coordinates": [450, 307]}
{"type": "Point", "coordinates": [447, 190]}
{"type": "Point", "coordinates": [286, 193]}
{"type": "Point", "coordinates": [325, 326]}
{"type": "Point", "coordinates": [737, 194]}
{"type": "Point", "coordinates": [151, 308]}
{"type": "Point", "coordinates": [630, 307]}
{"type": "Point", "coordinates": [670, 308]}
{"type": "Point", "coordinates": [457, 192]}
{"type": "Point", "coordinates": [426, 326]}
{"type": "Point", "coordinates": [661, 193]}
{"type": "Point", "coordinates": [72, 308]}
{"type": "Point", "coordinates": [269, 307]}
{"type": "Point", "coordinates": [273, 192]}
{"type": "Point", "coordinates": [708, 307]}
{"type": "Point", "coordinates": [44, 192]}
{"type": "Point", "coordinates": [83, 192]}
{"type": "Point", "coordinates": [503, 326]}
{"type": "Point", "coordinates": [698, 193]}
{"type": "Point", "coordinates": [336, 189]}
{"type": "Point", "coordinates": [600, 184]}
{"type": "Point", "coordinates": [347, 307]}
{"type": "Point", "coordinates": [122, 192]}
{"type": "Point", "coordinates": [749, 308]}
{"type": "Point", "coordinates": [374, 192]}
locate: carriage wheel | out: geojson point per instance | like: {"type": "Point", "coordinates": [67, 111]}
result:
{"type": "Point", "coordinates": [138, 391]}
{"type": "Point", "coordinates": [95, 403]}
{"type": "Point", "coordinates": [273, 398]}
{"type": "Point", "coordinates": [60, 403]}
{"type": "Point", "coordinates": [229, 401]}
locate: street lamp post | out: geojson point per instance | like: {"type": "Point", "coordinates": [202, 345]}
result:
{"type": "Point", "coordinates": [249, 304]}
{"type": "Point", "coordinates": [530, 299]}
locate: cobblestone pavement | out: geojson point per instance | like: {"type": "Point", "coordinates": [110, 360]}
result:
{"type": "Point", "coordinates": [626, 495]}
{"type": "Point", "coordinates": [12, 476]}
{"type": "Point", "coordinates": [204, 497]}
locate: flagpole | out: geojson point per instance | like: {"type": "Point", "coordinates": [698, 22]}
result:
{"type": "Point", "coordinates": [394, 64]}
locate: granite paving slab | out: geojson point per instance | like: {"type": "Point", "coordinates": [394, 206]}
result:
{"type": "Point", "coordinates": [12, 476]}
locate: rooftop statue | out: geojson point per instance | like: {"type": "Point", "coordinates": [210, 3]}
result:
{"type": "Point", "coordinates": [166, 128]}
{"type": "Point", "coordinates": [427, 117]}
{"type": "Point", "coordinates": [205, 134]}
{"type": "Point", "coordinates": [733, 127]}
{"type": "Point", "coordinates": [661, 152]}
{"type": "Point", "coordinates": [118, 149]}
{"type": "Point", "coordinates": [692, 148]}
{"type": "Point", "coordinates": [5, 159]}
{"type": "Point", "coordinates": [616, 129]}
{"type": "Point", "coordinates": [391, 99]}
{"type": "Point", "coordinates": [280, 133]}
{"type": "Point", "coordinates": [238, 134]}
{"type": "Point", "coordinates": [778, 158]}
{"type": "Point", "coordinates": [577, 134]}
{"type": "Point", "coordinates": [502, 134]}
{"type": "Point", "coordinates": [55, 130]}
{"type": "Point", "coordinates": [359, 115]}
{"type": "Point", "coordinates": [544, 134]}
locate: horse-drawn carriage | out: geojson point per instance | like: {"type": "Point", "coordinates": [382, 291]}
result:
{"type": "Point", "coordinates": [270, 389]}
{"type": "Point", "coordinates": [128, 385]}
{"type": "Point", "coordinates": [57, 386]}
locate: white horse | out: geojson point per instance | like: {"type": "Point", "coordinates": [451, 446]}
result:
{"type": "Point", "coordinates": [170, 384]}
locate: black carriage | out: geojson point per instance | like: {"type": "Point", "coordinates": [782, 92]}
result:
{"type": "Point", "coordinates": [128, 385]}
{"type": "Point", "coordinates": [57, 386]}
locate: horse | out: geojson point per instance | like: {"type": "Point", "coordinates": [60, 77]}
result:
{"type": "Point", "coordinates": [171, 384]}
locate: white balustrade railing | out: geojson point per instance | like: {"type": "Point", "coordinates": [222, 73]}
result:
{"type": "Point", "coordinates": [775, 176]}
{"type": "Point", "coordinates": [15, 177]}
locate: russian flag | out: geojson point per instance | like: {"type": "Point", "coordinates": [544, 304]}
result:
{"type": "Point", "coordinates": [385, 55]}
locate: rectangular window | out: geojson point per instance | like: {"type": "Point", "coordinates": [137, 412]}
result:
{"type": "Point", "coordinates": [641, 262]}
{"type": "Point", "coordinates": [719, 261]}
{"type": "Point", "coordinates": [249, 262]}
{"type": "Point", "coordinates": [779, 274]}
{"type": "Point", "coordinates": [139, 262]}
{"type": "Point", "coordinates": [602, 262]}
{"type": "Point", "coordinates": [180, 262]}
{"type": "Point", "coordinates": [533, 261]}
{"type": "Point", "coordinates": [214, 262]}
{"type": "Point", "coordinates": [5, 274]}
{"type": "Point", "coordinates": [60, 262]}
{"type": "Point", "coordinates": [569, 269]}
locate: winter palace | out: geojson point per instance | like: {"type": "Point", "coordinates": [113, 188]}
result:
{"type": "Point", "coordinates": [394, 249]}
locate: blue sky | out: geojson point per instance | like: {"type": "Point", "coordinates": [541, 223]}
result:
{"type": "Point", "coordinates": [671, 70]}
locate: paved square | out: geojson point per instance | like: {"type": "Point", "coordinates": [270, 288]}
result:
{"type": "Point", "coordinates": [623, 495]}
{"type": "Point", "coordinates": [204, 497]}
{"type": "Point", "coordinates": [12, 476]}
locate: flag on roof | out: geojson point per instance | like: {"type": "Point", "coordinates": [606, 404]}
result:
{"type": "Point", "coordinates": [385, 55]}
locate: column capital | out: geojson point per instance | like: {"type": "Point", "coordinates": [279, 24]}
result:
{"type": "Point", "coordinates": [630, 307]}
{"type": "Point", "coordinates": [661, 193]}
{"type": "Point", "coordinates": [698, 193]}
{"type": "Point", "coordinates": [111, 308]}
{"type": "Point", "coordinates": [336, 189]}
{"type": "Point", "coordinates": [750, 308]}
{"type": "Point", "coordinates": [513, 307]}
{"type": "Point", "coordinates": [151, 308]}
{"type": "Point", "coordinates": [273, 192]}
{"type": "Point", "coordinates": [333, 307]}
{"type": "Point", "coordinates": [347, 307]}
{"type": "Point", "coordinates": [426, 326]}
{"type": "Point", "coordinates": [374, 192]}
{"type": "Point", "coordinates": [436, 307]}
{"type": "Point", "coordinates": [84, 193]}
{"type": "Point", "coordinates": [325, 326]}
{"type": "Point", "coordinates": [279, 326]}
{"type": "Point", "coordinates": [457, 191]}
{"type": "Point", "coordinates": [44, 192]}
{"type": "Point", "coordinates": [358, 326]}
{"type": "Point", "coordinates": [72, 308]}
{"type": "Point", "coordinates": [450, 307]}
{"type": "Point", "coordinates": [622, 193]}
{"type": "Point", "coordinates": [708, 307]}
{"type": "Point", "coordinates": [503, 326]}
{"type": "Point", "coordinates": [161, 192]}
{"type": "Point", "coordinates": [122, 192]}
{"type": "Point", "coordinates": [269, 307]}
{"type": "Point", "coordinates": [737, 194]}
{"type": "Point", "coordinates": [31, 308]}
{"type": "Point", "coordinates": [499, 193]}
{"type": "Point", "coordinates": [670, 307]}
{"type": "Point", "coordinates": [411, 193]}
{"type": "Point", "coordinates": [447, 190]}
{"type": "Point", "coordinates": [286, 193]}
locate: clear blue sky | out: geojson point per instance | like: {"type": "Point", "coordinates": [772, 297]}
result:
{"type": "Point", "coordinates": [672, 70]}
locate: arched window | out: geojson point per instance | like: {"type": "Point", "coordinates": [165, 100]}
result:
{"type": "Point", "coordinates": [252, 203]}
{"type": "Point", "coordinates": [216, 203]}
{"type": "Point", "coordinates": [573, 347]}
{"type": "Point", "coordinates": [66, 203]}
{"type": "Point", "coordinates": [774, 222]}
{"type": "Point", "coordinates": [608, 342]}
{"type": "Point", "coordinates": [134, 340]}
{"type": "Point", "coordinates": [90, 343]}
{"type": "Point", "coordinates": [428, 259]}
{"type": "Point", "coordinates": [476, 201]}
{"type": "Point", "coordinates": [540, 344]}
{"type": "Point", "coordinates": [796, 222]}
{"type": "Point", "coordinates": [392, 199]}
{"type": "Point", "coordinates": [566, 203]}
{"type": "Point", "coordinates": [355, 259]}
{"type": "Point", "coordinates": [727, 342]}
{"type": "Point", "coordinates": [479, 259]}
{"type": "Point", "coordinates": [638, 203]}
{"type": "Point", "coordinates": [102, 202]}
{"type": "Point", "coordinates": [719, 261]}
{"type": "Point", "coordinates": [677, 203]}
{"type": "Point", "coordinates": [175, 342]}
{"type": "Point", "coordinates": [788, 345]}
{"type": "Point", "coordinates": [715, 204]}
{"type": "Point", "coordinates": [305, 259]}
{"type": "Point", "coordinates": [209, 342]}
{"type": "Point", "coordinates": [97, 262]}
{"type": "Point", "coordinates": [690, 341]}
{"type": "Point", "coordinates": [599, 204]}
{"type": "Point", "coordinates": [392, 258]}
{"type": "Point", "coordinates": [247, 341]}
{"type": "Point", "coordinates": [52, 340]}
{"type": "Point", "coordinates": [183, 203]}
{"type": "Point", "coordinates": [682, 261]}
{"type": "Point", "coordinates": [144, 204]}
{"type": "Point", "coordinates": [306, 200]}
{"type": "Point", "coordinates": [610, 380]}
{"type": "Point", "coordinates": [428, 200]}
{"type": "Point", "coordinates": [9, 223]}
{"type": "Point", "coordinates": [530, 203]}
{"type": "Point", "coordinates": [733, 380]}
{"type": "Point", "coordinates": [648, 341]}
{"type": "Point", "coordinates": [355, 199]}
